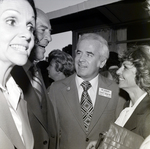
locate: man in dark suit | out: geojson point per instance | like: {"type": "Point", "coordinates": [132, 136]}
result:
{"type": "Point", "coordinates": [85, 102]}
{"type": "Point", "coordinates": [40, 109]}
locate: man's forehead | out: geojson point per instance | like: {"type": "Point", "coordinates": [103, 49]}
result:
{"type": "Point", "coordinates": [42, 18]}
{"type": "Point", "coordinates": [43, 22]}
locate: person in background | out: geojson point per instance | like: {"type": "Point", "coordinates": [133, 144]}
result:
{"type": "Point", "coordinates": [40, 109]}
{"type": "Point", "coordinates": [17, 24]}
{"type": "Point", "coordinates": [85, 102]}
{"type": "Point", "coordinates": [61, 65]}
{"type": "Point", "coordinates": [43, 68]}
{"type": "Point", "coordinates": [112, 65]}
{"type": "Point", "coordinates": [134, 78]}
{"type": "Point", "coordinates": [68, 49]}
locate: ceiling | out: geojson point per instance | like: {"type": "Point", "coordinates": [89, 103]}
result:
{"type": "Point", "coordinates": [116, 14]}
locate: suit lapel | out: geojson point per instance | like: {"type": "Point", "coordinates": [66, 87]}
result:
{"type": "Point", "coordinates": [30, 96]}
{"type": "Point", "coordinates": [100, 104]}
{"type": "Point", "coordinates": [27, 135]}
{"type": "Point", "coordinates": [139, 111]}
{"type": "Point", "coordinates": [7, 124]}
{"type": "Point", "coordinates": [71, 96]}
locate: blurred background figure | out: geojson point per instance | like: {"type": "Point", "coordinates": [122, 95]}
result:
{"type": "Point", "coordinates": [61, 65]}
{"type": "Point", "coordinates": [68, 49]}
{"type": "Point", "coordinates": [44, 72]}
{"type": "Point", "coordinates": [112, 66]}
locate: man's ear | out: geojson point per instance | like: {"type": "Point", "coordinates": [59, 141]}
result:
{"type": "Point", "coordinates": [103, 63]}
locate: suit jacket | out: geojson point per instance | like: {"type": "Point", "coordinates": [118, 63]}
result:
{"type": "Point", "coordinates": [9, 136]}
{"type": "Point", "coordinates": [64, 96]}
{"type": "Point", "coordinates": [139, 122]}
{"type": "Point", "coordinates": [41, 117]}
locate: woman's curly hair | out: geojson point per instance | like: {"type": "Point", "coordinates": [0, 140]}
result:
{"type": "Point", "coordinates": [139, 56]}
{"type": "Point", "coordinates": [63, 62]}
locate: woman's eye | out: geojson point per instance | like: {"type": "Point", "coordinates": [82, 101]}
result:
{"type": "Point", "coordinates": [125, 67]}
{"type": "Point", "coordinates": [31, 28]}
{"type": "Point", "coordinates": [11, 22]}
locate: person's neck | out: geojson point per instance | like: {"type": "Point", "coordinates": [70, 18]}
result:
{"type": "Point", "coordinates": [135, 94]}
{"type": "Point", "coordinates": [5, 72]}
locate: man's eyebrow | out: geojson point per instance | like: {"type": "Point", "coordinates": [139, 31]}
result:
{"type": "Point", "coordinates": [90, 53]}
{"type": "Point", "coordinates": [43, 26]}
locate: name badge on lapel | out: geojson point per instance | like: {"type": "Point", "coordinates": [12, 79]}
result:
{"type": "Point", "coordinates": [105, 92]}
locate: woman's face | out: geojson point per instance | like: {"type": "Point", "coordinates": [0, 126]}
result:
{"type": "Point", "coordinates": [17, 23]}
{"type": "Point", "coordinates": [52, 73]}
{"type": "Point", "coordinates": [127, 74]}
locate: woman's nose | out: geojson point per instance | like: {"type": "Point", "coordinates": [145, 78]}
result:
{"type": "Point", "coordinates": [25, 33]}
{"type": "Point", "coordinates": [119, 71]}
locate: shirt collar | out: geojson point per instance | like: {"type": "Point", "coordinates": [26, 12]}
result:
{"type": "Point", "coordinates": [13, 92]}
{"type": "Point", "coordinates": [93, 82]}
{"type": "Point", "coordinates": [138, 101]}
{"type": "Point", "coordinates": [2, 88]}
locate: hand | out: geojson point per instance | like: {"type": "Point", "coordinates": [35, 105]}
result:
{"type": "Point", "coordinates": [91, 145]}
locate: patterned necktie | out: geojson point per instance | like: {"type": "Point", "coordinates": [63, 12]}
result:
{"type": "Point", "coordinates": [86, 105]}
{"type": "Point", "coordinates": [36, 82]}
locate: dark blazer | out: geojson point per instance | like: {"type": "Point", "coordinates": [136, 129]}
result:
{"type": "Point", "coordinates": [9, 136]}
{"type": "Point", "coordinates": [64, 96]}
{"type": "Point", "coordinates": [41, 117]}
{"type": "Point", "coordinates": [139, 122]}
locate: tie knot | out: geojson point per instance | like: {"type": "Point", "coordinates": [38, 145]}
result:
{"type": "Point", "coordinates": [86, 85]}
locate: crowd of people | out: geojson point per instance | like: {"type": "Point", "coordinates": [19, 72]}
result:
{"type": "Point", "coordinates": [81, 102]}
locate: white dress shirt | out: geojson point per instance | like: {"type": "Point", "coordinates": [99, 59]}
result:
{"type": "Point", "coordinates": [13, 94]}
{"type": "Point", "coordinates": [127, 112]}
{"type": "Point", "coordinates": [91, 91]}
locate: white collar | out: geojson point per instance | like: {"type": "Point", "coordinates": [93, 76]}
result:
{"type": "Point", "coordinates": [138, 101]}
{"type": "Point", "coordinates": [13, 92]}
{"type": "Point", "coordinates": [80, 80]}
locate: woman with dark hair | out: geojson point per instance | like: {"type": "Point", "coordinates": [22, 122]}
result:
{"type": "Point", "coordinates": [134, 78]}
{"type": "Point", "coordinates": [17, 23]}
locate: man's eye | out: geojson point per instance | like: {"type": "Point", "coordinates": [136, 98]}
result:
{"type": "Point", "coordinates": [40, 30]}
{"type": "Point", "coordinates": [89, 55]}
{"type": "Point", "coordinates": [78, 52]}
{"type": "Point", "coordinates": [11, 22]}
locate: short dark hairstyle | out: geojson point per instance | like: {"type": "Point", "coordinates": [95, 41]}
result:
{"type": "Point", "coordinates": [63, 62]}
{"type": "Point", "coordinates": [139, 56]}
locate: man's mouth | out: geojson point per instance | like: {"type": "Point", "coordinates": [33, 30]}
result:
{"type": "Point", "coordinates": [82, 66]}
{"type": "Point", "coordinates": [41, 46]}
